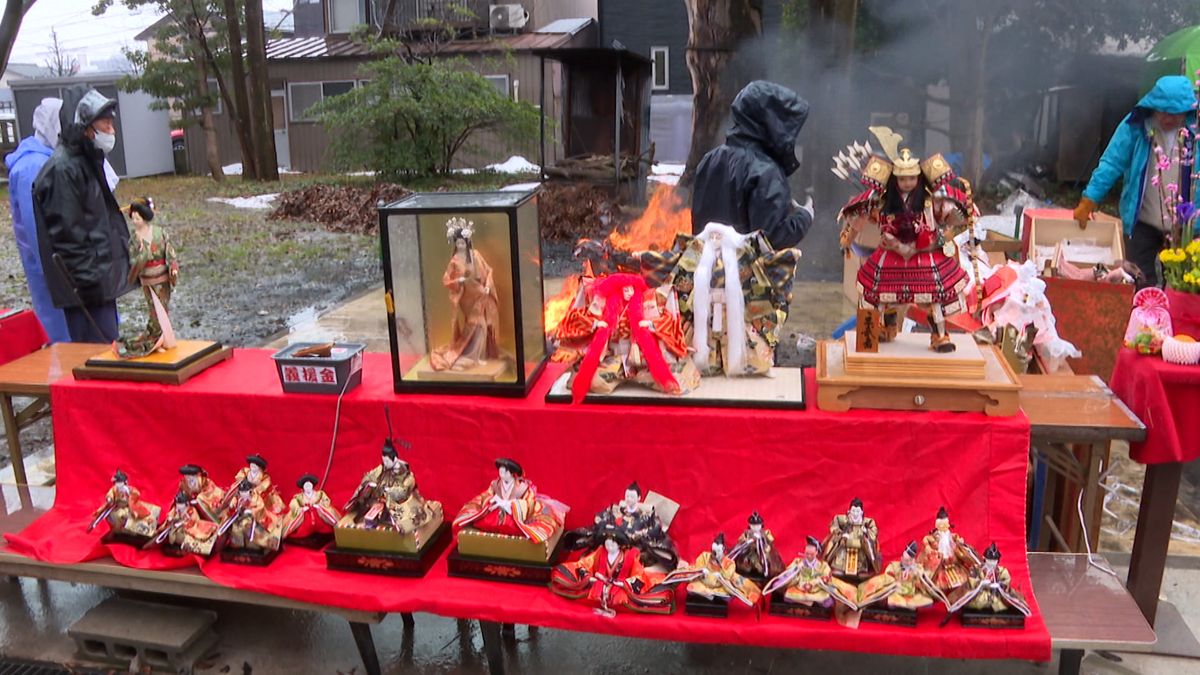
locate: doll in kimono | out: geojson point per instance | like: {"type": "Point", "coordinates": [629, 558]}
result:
{"type": "Point", "coordinates": [204, 494]}
{"type": "Point", "coordinates": [125, 511]}
{"type": "Point", "coordinates": [476, 306]}
{"type": "Point", "coordinates": [714, 576]}
{"type": "Point", "coordinates": [388, 498]}
{"type": "Point", "coordinates": [809, 581]}
{"type": "Point", "coordinates": [946, 557]}
{"type": "Point", "coordinates": [852, 545]}
{"type": "Point", "coordinates": [612, 577]}
{"type": "Point", "coordinates": [990, 589]}
{"type": "Point", "coordinates": [249, 524]}
{"type": "Point", "coordinates": [155, 267]}
{"type": "Point", "coordinates": [639, 524]}
{"type": "Point", "coordinates": [310, 513]}
{"type": "Point", "coordinates": [255, 472]}
{"type": "Point", "coordinates": [183, 530]}
{"type": "Point", "coordinates": [512, 506]}
{"type": "Point", "coordinates": [903, 584]}
{"type": "Point", "coordinates": [755, 553]}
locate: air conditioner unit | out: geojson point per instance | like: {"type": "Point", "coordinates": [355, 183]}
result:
{"type": "Point", "coordinates": [507, 17]}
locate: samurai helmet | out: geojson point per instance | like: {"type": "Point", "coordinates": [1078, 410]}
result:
{"type": "Point", "coordinates": [906, 164]}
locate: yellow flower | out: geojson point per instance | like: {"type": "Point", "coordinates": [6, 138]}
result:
{"type": "Point", "coordinates": [1165, 255]}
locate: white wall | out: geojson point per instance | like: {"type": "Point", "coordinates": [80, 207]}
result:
{"type": "Point", "coordinates": [146, 136]}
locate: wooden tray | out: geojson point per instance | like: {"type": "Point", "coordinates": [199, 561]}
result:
{"type": "Point", "coordinates": [909, 356]}
{"type": "Point", "coordinates": [837, 391]}
{"type": "Point", "coordinates": [166, 373]}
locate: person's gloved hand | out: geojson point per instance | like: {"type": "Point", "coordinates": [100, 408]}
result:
{"type": "Point", "coordinates": [91, 295]}
{"type": "Point", "coordinates": [1083, 212]}
{"type": "Point", "coordinates": [808, 206]}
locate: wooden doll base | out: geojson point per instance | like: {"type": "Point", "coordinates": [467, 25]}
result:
{"type": "Point", "coordinates": [249, 556]}
{"type": "Point", "coordinates": [892, 616]}
{"type": "Point", "coordinates": [499, 569]}
{"type": "Point", "coordinates": [126, 538]}
{"type": "Point", "coordinates": [985, 619]}
{"type": "Point", "coordinates": [698, 605]}
{"type": "Point", "coordinates": [389, 563]}
{"type": "Point", "coordinates": [794, 610]}
{"type": "Point", "coordinates": [315, 542]}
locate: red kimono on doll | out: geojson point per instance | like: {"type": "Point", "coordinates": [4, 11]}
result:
{"type": "Point", "coordinates": [612, 576]}
{"type": "Point", "coordinates": [511, 506]}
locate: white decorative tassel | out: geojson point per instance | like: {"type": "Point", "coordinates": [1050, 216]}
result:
{"type": "Point", "coordinates": [735, 302]}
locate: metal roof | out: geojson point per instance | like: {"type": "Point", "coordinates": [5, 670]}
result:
{"type": "Point", "coordinates": [334, 47]}
{"type": "Point", "coordinates": [571, 26]}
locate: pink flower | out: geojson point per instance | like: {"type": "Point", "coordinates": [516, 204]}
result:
{"type": "Point", "coordinates": [1154, 181]}
{"type": "Point", "coordinates": [1172, 188]}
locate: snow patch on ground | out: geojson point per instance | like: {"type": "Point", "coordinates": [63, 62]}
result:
{"type": "Point", "coordinates": [514, 164]}
{"type": "Point", "coordinates": [520, 187]}
{"type": "Point", "coordinates": [255, 202]}
{"type": "Point", "coordinates": [236, 170]}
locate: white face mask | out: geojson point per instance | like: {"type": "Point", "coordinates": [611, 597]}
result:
{"type": "Point", "coordinates": [105, 142]}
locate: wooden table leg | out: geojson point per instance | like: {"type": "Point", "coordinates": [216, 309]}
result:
{"type": "Point", "coordinates": [1155, 517]}
{"type": "Point", "coordinates": [366, 647]}
{"type": "Point", "coordinates": [407, 619]}
{"type": "Point", "coordinates": [492, 647]}
{"type": "Point", "coordinates": [1069, 661]}
{"type": "Point", "coordinates": [13, 433]}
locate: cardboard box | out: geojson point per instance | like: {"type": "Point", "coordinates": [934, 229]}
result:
{"type": "Point", "coordinates": [1045, 228]}
{"type": "Point", "coordinates": [850, 267]}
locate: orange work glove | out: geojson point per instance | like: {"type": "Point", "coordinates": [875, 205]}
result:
{"type": "Point", "coordinates": [1083, 212]}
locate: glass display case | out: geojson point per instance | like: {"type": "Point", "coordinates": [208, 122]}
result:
{"type": "Point", "coordinates": [463, 274]}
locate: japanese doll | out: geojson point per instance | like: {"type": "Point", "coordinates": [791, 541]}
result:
{"type": "Point", "coordinates": [903, 584]}
{"type": "Point", "coordinates": [808, 580]}
{"type": "Point", "coordinates": [249, 524]}
{"type": "Point", "coordinates": [612, 577]}
{"type": "Point", "coordinates": [852, 546]}
{"type": "Point", "coordinates": [635, 335]}
{"type": "Point", "coordinates": [714, 576]}
{"type": "Point", "coordinates": [638, 523]}
{"type": "Point", "coordinates": [946, 557]}
{"type": "Point", "coordinates": [912, 203]}
{"type": "Point", "coordinates": [184, 530]}
{"type": "Point", "coordinates": [989, 589]}
{"type": "Point", "coordinates": [755, 553]}
{"type": "Point", "coordinates": [512, 506]}
{"type": "Point", "coordinates": [204, 494]}
{"type": "Point", "coordinates": [126, 513]}
{"type": "Point", "coordinates": [255, 472]}
{"type": "Point", "coordinates": [468, 279]}
{"type": "Point", "coordinates": [388, 498]}
{"type": "Point", "coordinates": [310, 512]}
{"type": "Point", "coordinates": [155, 267]}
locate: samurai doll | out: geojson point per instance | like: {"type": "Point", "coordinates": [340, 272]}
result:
{"type": "Point", "coordinates": [476, 306]}
{"type": "Point", "coordinates": [989, 589]}
{"type": "Point", "coordinates": [155, 267]}
{"type": "Point", "coordinates": [512, 506]}
{"type": "Point", "coordinates": [755, 553]}
{"type": "Point", "coordinates": [388, 498]}
{"type": "Point", "coordinates": [127, 515]}
{"type": "Point", "coordinates": [636, 336]}
{"type": "Point", "coordinates": [946, 557]}
{"type": "Point", "coordinates": [612, 577]}
{"type": "Point", "coordinates": [310, 513]}
{"type": "Point", "coordinates": [249, 524]}
{"type": "Point", "coordinates": [638, 523]}
{"type": "Point", "coordinates": [204, 494]}
{"type": "Point", "coordinates": [809, 581]}
{"type": "Point", "coordinates": [852, 545]}
{"type": "Point", "coordinates": [903, 584]}
{"type": "Point", "coordinates": [184, 530]}
{"type": "Point", "coordinates": [714, 576]}
{"type": "Point", "coordinates": [255, 473]}
{"type": "Point", "coordinates": [912, 203]}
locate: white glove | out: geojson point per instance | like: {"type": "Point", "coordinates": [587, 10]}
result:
{"type": "Point", "coordinates": [806, 206]}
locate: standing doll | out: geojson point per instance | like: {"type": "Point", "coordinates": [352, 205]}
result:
{"type": "Point", "coordinates": [155, 267]}
{"type": "Point", "coordinates": [468, 278]}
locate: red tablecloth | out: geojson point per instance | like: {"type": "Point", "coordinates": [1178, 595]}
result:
{"type": "Point", "coordinates": [1166, 397]}
{"type": "Point", "coordinates": [20, 334]}
{"type": "Point", "coordinates": [798, 468]}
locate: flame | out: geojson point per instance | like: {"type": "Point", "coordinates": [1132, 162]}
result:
{"type": "Point", "coordinates": [664, 217]}
{"type": "Point", "coordinates": [556, 307]}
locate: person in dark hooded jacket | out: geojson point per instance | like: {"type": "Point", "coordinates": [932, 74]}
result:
{"type": "Point", "coordinates": [744, 183]}
{"type": "Point", "coordinates": [79, 220]}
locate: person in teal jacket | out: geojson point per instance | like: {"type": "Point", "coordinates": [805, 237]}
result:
{"type": "Point", "coordinates": [1154, 121]}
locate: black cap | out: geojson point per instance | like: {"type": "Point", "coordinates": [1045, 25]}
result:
{"type": "Point", "coordinates": [942, 515]}
{"type": "Point", "coordinates": [245, 486]}
{"type": "Point", "coordinates": [812, 541]}
{"type": "Point", "coordinates": [389, 450]}
{"type": "Point", "coordinates": [120, 477]}
{"type": "Point", "coordinates": [635, 487]}
{"type": "Point", "coordinates": [719, 539]}
{"type": "Point", "coordinates": [856, 502]}
{"type": "Point", "coordinates": [911, 549]}
{"type": "Point", "coordinates": [615, 533]}
{"type": "Point", "coordinates": [257, 460]}
{"type": "Point", "coordinates": [513, 468]}
{"type": "Point", "coordinates": [992, 553]}
{"type": "Point", "coordinates": [190, 470]}
{"type": "Point", "coordinates": [181, 498]}
{"type": "Point", "coordinates": [307, 478]}
{"type": "Point", "coordinates": [755, 519]}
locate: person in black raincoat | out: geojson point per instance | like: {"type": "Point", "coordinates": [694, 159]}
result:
{"type": "Point", "coordinates": [744, 183]}
{"type": "Point", "coordinates": [79, 220]}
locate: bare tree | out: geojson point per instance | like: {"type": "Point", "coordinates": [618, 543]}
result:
{"type": "Point", "coordinates": [59, 61]}
{"type": "Point", "coordinates": [259, 92]}
{"type": "Point", "coordinates": [10, 23]}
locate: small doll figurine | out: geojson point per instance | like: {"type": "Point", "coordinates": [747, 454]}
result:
{"type": "Point", "coordinates": [714, 577]}
{"type": "Point", "coordinates": [468, 278]}
{"type": "Point", "coordinates": [852, 546]}
{"type": "Point", "coordinates": [184, 531]}
{"type": "Point", "coordinates": [310, 514]}
{"type": "Point", "coordinates": [809, 581]}
{"type": "Point", "coordinates": [249, 524]}
{"type": "Point", "coordinates": [989, 589]}
{"type": "Point", "coordinates": [612, 576]}
{"type": "Point", "coordinates": [903, 584]}
{"type": "Point", "coordinates": [638, 523]}
{"type": "Point", "coordinates": [388, 498]}
{"type": "Point", "coordinates": [130, 520]}
{"type": "Point", "coordinates": [204, 494]}
{"type": "Point", "coordinates": [155, 267]}
{"type": "Point", "coordinates": [255, 472]}
{"type": "Point", "coordinates": [755, 552]}
{"type": "Point", "coordinates": [512, 506]}
{"type": "Point", "coordinates": [946, 558]}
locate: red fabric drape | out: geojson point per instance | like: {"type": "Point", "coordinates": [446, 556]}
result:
{"type": "Point", "coordinates": [798, 468]}
{"type": "Point", "coordinates": [20, 334]}
{"type": "Point", "coordinates": [1166, 398]}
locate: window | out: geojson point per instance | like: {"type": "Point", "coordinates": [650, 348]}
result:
{"type": "Point", "coordinates": [500, 82]}
{"type": "Point", "coordinates": [304, 95]}
{"type": "Point", "coordinates": [215, 92]}
{"type": "Point", "coordinates": [344, 15]}
{"type": "Point", "coordinates": [661, 66]}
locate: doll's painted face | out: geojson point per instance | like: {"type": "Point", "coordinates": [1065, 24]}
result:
{"type": "Point", "coordinates": [390, 462]}
{"type": "Point", "coordinates": [193, 482]}
{"type": "Point", "coordinates": [906, 183]}
{"type": "Point", "coordinates": [810, 552]}
{"type": "Point", "coordinates": [505, 474]}
{"type": "Point", "coordinates": [942, 524]}
{"type": "Point", "coordinates": [308, 487]}
{"type": "Point", "coordinates": [631, 499]}
{"type": "Point", "coordinates": [627, 292]}
{"type": "Point", "coordinates": [254, 473]}
{"type": "Point", "coordinates": [856, 515]}
{"type": "Point", "coordinates": [460, 244]}
{"type": "Point", "coordinates": [181, 508]}
{"type": "Point", "coordinates": [990, 565]}
{"type": "Point", "coordinates": [756, 529]}
{"type": "Point", "coordinates": [907, 560]}
{"type": "Point", "coordinates": [611, 546]}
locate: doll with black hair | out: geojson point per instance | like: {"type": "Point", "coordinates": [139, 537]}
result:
{"type": "Point", "coordinates": [154, 266]}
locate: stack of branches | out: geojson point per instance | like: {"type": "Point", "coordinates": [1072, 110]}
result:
{"type": "Point", "coordinates": [598, 168]}
{"type": "Point", "coordinates": [339, 208]}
